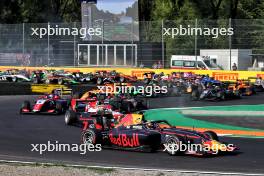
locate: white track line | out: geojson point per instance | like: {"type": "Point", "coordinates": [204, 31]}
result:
{"type": "Point", "coordinates": [132, 168]}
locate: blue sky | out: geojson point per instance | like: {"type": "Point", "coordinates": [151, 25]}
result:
{"type": "Point", "coordinates": [114, 6]}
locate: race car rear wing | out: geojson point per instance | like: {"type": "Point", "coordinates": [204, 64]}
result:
{"type": "Point", "coordinates": [63, 91]}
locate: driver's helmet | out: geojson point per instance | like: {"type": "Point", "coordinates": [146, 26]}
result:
{"type": "Point", "coordinates": [50, 96]}
{"type": "Point", "coordinates": [56, 96]}
{"type": "Point", "coordinates": [155, 76]}
{"type": "Point", "coordinates": [150, 125]}
{"type": "Point", "coordinates": [197, 81]}
{"type": "Point", "coordinates": [53, 96]}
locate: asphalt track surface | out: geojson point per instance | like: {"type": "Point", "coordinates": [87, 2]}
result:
{"type": "Point", "coordinates": [17, 133]}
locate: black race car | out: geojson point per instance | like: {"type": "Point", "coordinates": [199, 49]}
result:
{"type": "Point", "coordinates": [150, 136]}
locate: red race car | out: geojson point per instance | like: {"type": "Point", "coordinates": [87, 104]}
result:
{"type": "Point", "coordinates": [89, 105]}
{"type": "Point", "coordinates": [46, 104]}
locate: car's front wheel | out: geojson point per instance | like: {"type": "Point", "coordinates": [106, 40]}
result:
{"type": "Point", "coordinates": [212, 135]}
{"type": "Point", "coordinates": [70, 117]}
{"type": "Point", "coordinates": [25, 105]}
{"type": "Point", "coordinates": [59, 108]}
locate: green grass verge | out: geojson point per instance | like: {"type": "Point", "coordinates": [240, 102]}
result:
{"type": "Point", "coordinates": [259, 107]}
{"type": "Point", "coordinates": [175, 118]}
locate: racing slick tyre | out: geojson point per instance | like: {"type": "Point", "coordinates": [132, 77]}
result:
{"type": "Point", "coordinates": [175, 91]}
{"type": "Point", "coordinates": [9, 79]}
{"type": "Point", "coordinates": [121, 79]}
{"type": "Point", "coordinates": [202, 96]}
{"type": "Point", "coordinates": [70, 117]}
{"type": "Point", "coordinates": [146, 81]}
{"type": "Point", "coordinates": [59, 108]}
{"type": "Point", "coordinates": [172, 144]}
{"type": "Point", "coordinates": [36, 81]}
{"type": "Point", "coordinates": [130, 107]}
{"type": "Point", "coordinates": [47, 81]}
{"type": "Point", "coordinates": [99, 81]}
{"type": "Point", "coordinates": [90, 137]}
{"type": "Point", "coordinates": [223, 97]}
{"type": "Point", "coordinates": [212, 135]}
{"type": "Point", "coordinates": [14, 79]}
{"type": "Point", "coordinates": [220, 96]}
{"type": "Point", "coordinates": [25, 105]}
{"type": "Point", "coordinates": [237, 94]}
{"type": "Point", "coordinates": [60, 81]}
{"type": "Point", "coordinates": [194, 95]}
{"type": "Point", "coordinates": [145, 104]}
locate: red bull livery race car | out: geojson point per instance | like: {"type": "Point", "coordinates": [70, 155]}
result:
{"type": "Point", "coordinates": [152, 136]}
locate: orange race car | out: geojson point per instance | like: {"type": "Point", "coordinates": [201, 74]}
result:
{"type": "Point", "coordinates": [243, 86]}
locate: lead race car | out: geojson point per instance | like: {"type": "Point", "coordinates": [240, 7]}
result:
{"type": "Point", "coordinates": [151, 136]}
{"type": "Point", "coordinates": [46, 104]}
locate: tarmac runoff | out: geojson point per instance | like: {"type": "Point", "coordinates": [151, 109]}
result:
{"type": "Point", "coordinates": [177, 117]}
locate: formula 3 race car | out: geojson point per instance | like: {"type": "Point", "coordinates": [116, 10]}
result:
{"type": "Point", "coordinates": [244, 87]}
{"type": "Point", "coordinates": [150, 137]}
{"type": "Point", "coordinates": [46, 104]}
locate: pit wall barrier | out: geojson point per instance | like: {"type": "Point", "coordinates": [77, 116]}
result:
{"type": "Point", "coordinates": [217, 74]}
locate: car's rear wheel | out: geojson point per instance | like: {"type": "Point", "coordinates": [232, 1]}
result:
{"type": "Point", "coordinates": [130, 107]}
{"type": "Point", "coordinates": [212, 135]}
{"type": "Point", "coordinates": [146, 81]}
{"type": "Point", "coordinates": [60, 81]}
{"type": "Point", "coordinates": [47, 81]}
{"type": "Point", "coordinates": [70, 117]}
{"type": "Point", "coordinates": [223, 97]}
{"type": "Point", "coordinates": [202, 96]}
{"type": "Point", "coordinates": [88, 137]}
{"type": "Point", "coordinates": [36, 81]}
{"type": "Point", "coordinates": [26, 105]}
{"type": "Point", "coordinates": [122, 79]}
{"type": "Point", "coordinates": [194, 95]}
{"type": "Point", "coordinates": [59, 108]}
{"type": "Point", "coordinates": [99, 81]}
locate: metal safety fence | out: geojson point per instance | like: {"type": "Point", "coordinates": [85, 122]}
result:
{"type": "Point", "coordinates": [133, 44]}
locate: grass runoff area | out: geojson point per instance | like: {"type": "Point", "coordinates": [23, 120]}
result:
{"type": "Point", "coordinates": [181, 118]}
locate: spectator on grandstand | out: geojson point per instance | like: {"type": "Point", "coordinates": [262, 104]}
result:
{"type": "Point", "coordinates": [234, 67]}
{"type": "Point", "coordinates": [159, 65]}
{"type": "Point", "coordinates": [155, 65]}
{"type": "Point", "coordinates": [141, 65]}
